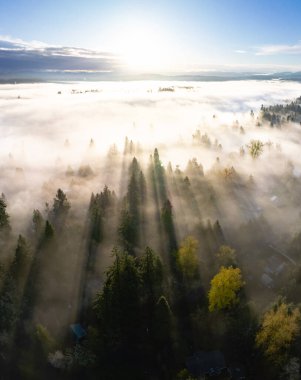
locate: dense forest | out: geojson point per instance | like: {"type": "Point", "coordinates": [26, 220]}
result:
{"type": "Point", "coordinates": [166, 273]}
{"type": "Point", "coordinates": [281, 113]}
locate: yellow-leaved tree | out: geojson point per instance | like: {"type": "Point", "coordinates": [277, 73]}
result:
{"type": "Point", "coordinates": [187, 258]}
{"type": "Point", "coordinates": [225, 286]}
{"type": "Point", "coordinates": [279, 328]}
{"type": "Point", "coordinates": [226, 256]}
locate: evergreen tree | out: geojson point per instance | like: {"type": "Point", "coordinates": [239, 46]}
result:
{"type": "Point", "coordinates": [167, 219]}
{"type": "Point", "coordinates": [60, 207]}
{"type": "Point", "coordinates": [166, 213]}
{"type": "Point", "coordinates": [4, 217]}
{"type": "Point", "coordinates": [163, 324]}
{"type": "Point", "coordinates": [49, 231]}
{"type": "Point", "coordinates": [159, 175]}
{"type": "Point", "coordinates": [142, 186]}
{"type": "Point", "coordinates": [38, 221]}
{"type": "Point", "coordinates": [21, 258]}
{"type": "Point", "coordinates": [98, 208]}
{"type": "Point", "coordinates": [133, 198]}
{"type": "Point", "coordinates": [151, 276]}
{"type": "Point", "coordinates": [117, 306]}
{"type": "Point", "coordinates": [128, 231]}
{"type": "Point", "coordinates": [218, 234]}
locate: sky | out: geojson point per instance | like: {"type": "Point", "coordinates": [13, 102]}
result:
{"type": "Point", "coordinates": [150, 36]}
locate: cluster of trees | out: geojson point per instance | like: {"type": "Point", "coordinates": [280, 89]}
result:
{"type": "Point", "coordinates": [134, 320]}
{"type": "Point", "coordinates": [204, 140]}
{"type": "Point", "coordinates": [282, 113]}
{"type": "Point", "coordinates": [154, 306]}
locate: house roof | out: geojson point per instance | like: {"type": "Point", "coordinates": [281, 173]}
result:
{"type": "Point", "coordinates": [78, 330]}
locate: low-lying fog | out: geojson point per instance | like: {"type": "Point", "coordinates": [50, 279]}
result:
{"type": "Point", "coordinates": [46, 130]}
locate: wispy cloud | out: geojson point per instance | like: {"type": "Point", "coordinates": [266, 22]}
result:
{"type": "Point", "coordinates": [240, 51]}
{"type": "Point", "coordinates": [279, 49]}
{"type": "Point", "coordinates": [22, 44]}
{"type": "Point", "coordinates": [17, 55]}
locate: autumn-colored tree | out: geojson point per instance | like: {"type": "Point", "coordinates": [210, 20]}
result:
{"type": "Point", "coordinates": [226, 256]}
{"type": "Point", "coordinates": [255, 148]}
{"type": "Point", "coordinates": [224, 288]}
{"type": "Point", "coordinates": [187, 258]}
{"type": "Point", "coordinates": [279, 328]}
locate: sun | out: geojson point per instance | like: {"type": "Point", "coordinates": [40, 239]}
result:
{"type": "Point", "coordinates": [144, 48]}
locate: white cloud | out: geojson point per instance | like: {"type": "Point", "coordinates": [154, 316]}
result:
{"type": "Point", "coordinates": [279, 49]}
{"type": "Point", "coordinates": [18, 42]}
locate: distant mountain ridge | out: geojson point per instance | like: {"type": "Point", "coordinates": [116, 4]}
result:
{"type": "Point", "coordinates": [207, 76]}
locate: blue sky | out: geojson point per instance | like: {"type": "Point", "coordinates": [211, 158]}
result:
{"type": "Point", "coordinates": [192, 34]}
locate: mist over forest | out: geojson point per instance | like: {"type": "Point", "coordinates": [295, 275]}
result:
{"type": "Point", "coordinates": [150, 230]}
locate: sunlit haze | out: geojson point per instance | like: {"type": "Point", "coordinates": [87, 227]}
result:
{"type": "Point", "coordinates": [149, 37]}
{"type": "Point", "coordinates": [150, 190]}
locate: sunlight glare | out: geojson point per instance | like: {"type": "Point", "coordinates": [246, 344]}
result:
{"type": "Point", "coordinates": [144, 48]}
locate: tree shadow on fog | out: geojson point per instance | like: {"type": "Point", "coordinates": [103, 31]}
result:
{"type": "Point", "coordinates": [101, 215]}
{"type": "Point", "coordinates": [24, 338]}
